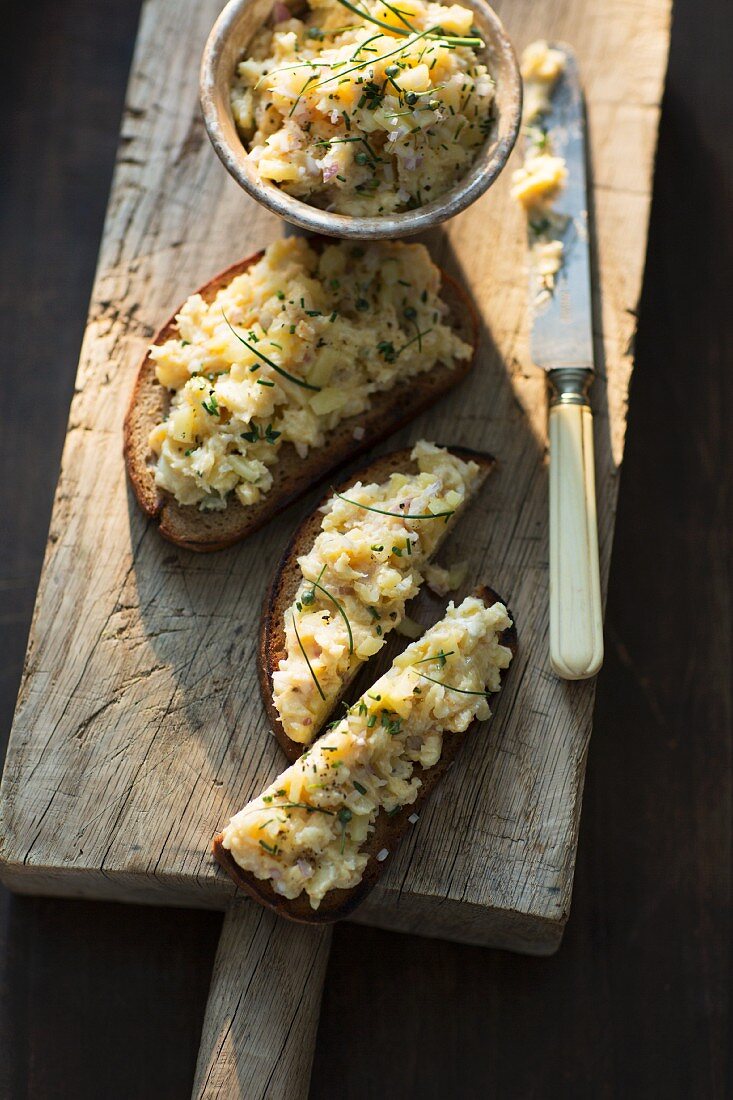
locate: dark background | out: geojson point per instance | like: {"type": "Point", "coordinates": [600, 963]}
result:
{"type": "Point", "coordinates": [107, 1001]}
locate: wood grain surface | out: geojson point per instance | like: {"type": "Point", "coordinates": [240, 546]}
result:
{"type": "Point", "coordinates": [108, 1000]}
{"type": "Point", "coordinates": [139, 729]}
{"type": "Point", "coordinates": [279, 968]}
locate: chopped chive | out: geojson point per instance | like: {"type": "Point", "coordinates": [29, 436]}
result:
{"type": "Point", "coordinates": [339, 608]}
{"type": "Point", "coordinates": [463, 691]}
{"type": "Point", "coordinates": [302, 806]}
{"type": "Point", "coordinates": [310, 666]}
{"type": "Point", "coordinates": [436, 657]}
{"type": "Point", "coordinates": [344, 815]}
{"type": "Point", "coordinates": [270, 363]}
{"type": "Point", "coordinates": [416, 339]}
{"type": "Point", "coordinates": [308, 597]}
{"type": "Point", "coordinates": [434, 32]}
{"type": "Point", "coordinates": [399, 515]}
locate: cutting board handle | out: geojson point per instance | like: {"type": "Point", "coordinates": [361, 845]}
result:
{"type": "Point", "coordinates": [576, 621]}
{"type": "Point", "coordinates": [259, 1031]}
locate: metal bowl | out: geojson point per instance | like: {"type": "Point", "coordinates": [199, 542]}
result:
{"type": "Point", "coordinates": [227, 45]}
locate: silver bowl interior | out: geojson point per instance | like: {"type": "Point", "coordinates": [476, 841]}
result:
{"type": "Point", "coordinates": [227, 45]}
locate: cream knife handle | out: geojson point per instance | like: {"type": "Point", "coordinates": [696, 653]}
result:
{"type": "Point", "coordinates": [576, 622]}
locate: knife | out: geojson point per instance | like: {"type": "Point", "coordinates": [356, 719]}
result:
{"type": "Point", "coordinates": [562, 344]}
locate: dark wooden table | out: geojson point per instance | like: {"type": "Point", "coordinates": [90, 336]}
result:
{"type": "Point", "coordinates": [107, 1001]}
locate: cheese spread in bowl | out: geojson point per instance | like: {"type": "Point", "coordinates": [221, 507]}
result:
{"type": "Point", "coordinates": [361, 120]}
{"type": "Point", "coordinates": [283, 353]}
{"type": "Point", "coordinates": [369, 559]}
{"type": "Point", "coordinates": [365, 115]}
{"type": "Point", "coordinates": [309, 829]}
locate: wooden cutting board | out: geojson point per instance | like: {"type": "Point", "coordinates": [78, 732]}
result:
{"type": "Point", "coordinates": [139, 727]}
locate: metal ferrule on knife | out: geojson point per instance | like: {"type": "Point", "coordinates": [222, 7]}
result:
{"type": "Point", "coordinates": [569, 385]}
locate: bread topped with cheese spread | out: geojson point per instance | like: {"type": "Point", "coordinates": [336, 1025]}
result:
{"type": "Point", "coordinates": [314, 842]}
{"type": "Point", "coordinates": [282, 368]}
{"type": "Point", "coordinates": [344, 580]}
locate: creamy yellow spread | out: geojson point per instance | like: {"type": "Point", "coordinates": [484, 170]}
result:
{"type": "Point", "coordinates": [284, 353]}
{"type": "Point", "coordinates": [365, 115]}
{"type": "Point", "coordinates": [537, 184]}
{"type": "Point", "coordinates": [307, 831]}
{"type": "Point", "coordinates": [361, 570]}
{"type": "Point", "coordinates": [541, 68]}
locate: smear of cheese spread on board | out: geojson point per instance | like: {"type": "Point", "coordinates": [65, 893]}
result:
{"type": "Point", "coordinates": [307, 831]}
{"type": "Point", "coordinates": [365, 114]}
{"type": "Point", "coordinates": [284, 353]}
{"type": "Point", "coordinates": [361, 570]}
{"type": "Point", "coordinates": [539, 181]}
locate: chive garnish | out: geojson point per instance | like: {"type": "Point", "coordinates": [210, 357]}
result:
{"type": "Point", "coordinates": [268, 847]}
{"type": "Point", "coordinates": [344, 815]}
{"type": "Point", "coordinates": [400, 15]}
{"type": "Point", "coordinates": [270, 363]}
{"type": "Point", "coordinates": [416, 339]}
{"type": "Point", "coordinates": [399, 515]}
{"type": "Point", "coordinates": [310, 666]}
{"type": "Point", "coordinates": [437, 657]}
{"type": "Point", "coordinates": [362, 64]}
{"type": "Point", "coordinates": [339, 608]}
{"type": "Point", "coordinates": [359, 788]}
{"type": "Point", "coordinates": [308, 597]}
{"type": "Point", "coordinates": [451, 687]}
{"type": "Point", "coordinates": [302, 806]}
{"type": "Point", "coordinates": [434, 32]}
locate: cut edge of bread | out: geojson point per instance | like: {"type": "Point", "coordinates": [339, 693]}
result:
{"type": "Point", "coordinates": [287, 577]}
{"type": "Point", "coordinates": [389, 410]}
{"type": "Point", "coordinates": [389, 830]}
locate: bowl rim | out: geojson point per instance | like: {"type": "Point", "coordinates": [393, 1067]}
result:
{"type": "Point", "coordinates": [482, 174]}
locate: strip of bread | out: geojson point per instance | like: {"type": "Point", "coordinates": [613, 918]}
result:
{"type": "Point", "coordinates": [364, 782]}
{"type": "Point", "coordinates": [193, 529]}
{"type": "Point", "coordinates": [302, 700]}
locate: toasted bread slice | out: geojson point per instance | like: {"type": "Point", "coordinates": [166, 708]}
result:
{"type": "Point", "coordinates": [287, 577]}
{"type": "Point", "coordinates": [388, 831]}
{"type": "Point", "coordinates": [193, 529]}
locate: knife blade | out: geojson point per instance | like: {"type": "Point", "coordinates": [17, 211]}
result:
{"type": "Point", "coordinates": [562, 322]}
{"type": "Point", "coordinates": [562, 345]}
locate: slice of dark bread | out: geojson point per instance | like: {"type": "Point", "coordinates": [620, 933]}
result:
{"type": "Point", "coordinates": [287, 576]}
{"type": "Point", "coordinates": [389, 410]}
{"type": "Point", "coordinates": [388, 832]}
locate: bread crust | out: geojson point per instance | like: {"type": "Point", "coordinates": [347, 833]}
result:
{"type": "Point", "coordinates": [286, 578]}
{"type": "Point", "coordinates": [389, 410]}
{"type": "Point", "coordinates": [388, 832]}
